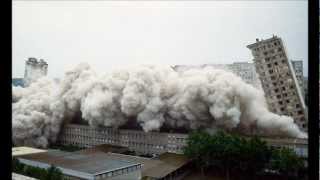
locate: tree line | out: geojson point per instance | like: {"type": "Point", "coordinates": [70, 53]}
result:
{"type": "Point", "coordinates": [230, 153]}
{"type": "Point", "coordinates": [51, 173]}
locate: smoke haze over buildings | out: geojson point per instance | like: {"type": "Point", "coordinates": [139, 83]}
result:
{"type": "Point", "coordinates": [155, 95]}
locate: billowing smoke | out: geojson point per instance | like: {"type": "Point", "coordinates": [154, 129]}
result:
{"type": "Point", "coordinates": [156, 96]}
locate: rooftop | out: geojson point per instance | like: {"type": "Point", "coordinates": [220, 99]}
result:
{"type": "Point", "coordinates": [19, 151]}
{"type": "Point", "coordinates": [21, 177]}
{"type": "Point", "coordinates": [89, 163]}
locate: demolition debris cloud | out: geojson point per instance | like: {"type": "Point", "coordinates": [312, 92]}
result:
{"type": "Point", "coordinates": [155, 95]}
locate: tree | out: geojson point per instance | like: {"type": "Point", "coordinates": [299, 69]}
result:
{"type": "Point", "coordinates": [228, 152]}
{"type": "Point", "coordinates": [198, 149]}
{"type": "Point", "coordinates": [254, 156]}
{"type": "Point", "coordinates": [54, 173]}
{"type": "Point", "coordinates": [285, 161]}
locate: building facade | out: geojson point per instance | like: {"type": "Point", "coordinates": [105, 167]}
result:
{"type": "Point", "coordinates": [138, 141]}
{"type": "Point", "coordinates": [298, 70]}
{"type": "Point", "coordinates": [278, 80]}
{"type": "Point", "coordinates": [34, 70]}
{"type": "Point", "coordinates": [245, 70]}
{"type": "Point", "coordinates": [149, 142]}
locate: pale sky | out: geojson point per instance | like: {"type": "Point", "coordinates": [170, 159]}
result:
{"type": "Point", "coordinates": [111, 34]}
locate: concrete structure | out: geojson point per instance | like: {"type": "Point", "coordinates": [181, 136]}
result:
{"type": "Point", "coordinates": [78, 166]}
{"type": "Point", "coordinates": [278, 80]}
{"type": "Point", "coordinates": [298, 70]}
{"type": "Point", "coordinates": [138, 141]}
{"type": "Point", "coordinates": [150, 142]}
{"type": "Point", "coordinates": [245, 70]}
{"type": "Point", "coordinates": [34, 69]}
{"type": "Point", "coordinates": [19, 151]}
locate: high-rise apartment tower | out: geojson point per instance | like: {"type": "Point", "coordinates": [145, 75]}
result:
{"type": "Point", "coordinates": [278, 80]}
{"type": "Point", "coordinates": [34, 70]}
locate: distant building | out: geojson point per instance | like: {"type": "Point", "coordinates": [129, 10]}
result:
{"type": "Point", "coordinates": [298, 70]}
{"type": "Point", "coordinates": [278, 80]}
{"type": "Point", "coordinates": [245, 70]}
{"type": "Point", "coordinates": [137, 141]}
{"type": "Point", "coordinates": [34, 70]}
{"type": "Point", "coordinates": [147, 143]}
{"type": "Point", "coordinates": [17, 82]}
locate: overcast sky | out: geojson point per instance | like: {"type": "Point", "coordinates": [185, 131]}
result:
{"type": "Point", "coordinates": [110, 34]}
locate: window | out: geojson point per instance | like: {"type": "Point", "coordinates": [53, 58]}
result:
{"type": "Point", "coordinates": [284, 88]}
{"type": "Point", "coordinates": [265, 53]}
{"type": "Point", "coordinates": [279, 49]}
{"type": "Point", "coordinates": [271, 71]}
{"type": "Point", "coordinates": [273, 77]}
{"type": "Point", "coordinates": [280, 102]}
{"type": "Point", "coordinates": [275, 63]}
{"type": "Point", "coordinates": [282, 109]}
{"type": "Point", "coordinates": [285, 94]}
{"type": "Point", "coordinates": [288, 101]}
{"type": "Point", "coordinates": [276, 90]}
{"type": "Point", "coordinates": [300, 112]}
{"type": "Point", "coordinates": [267, 59]}
{"type": "Point", "coordinates": [278, 96]}
{"type": "Point", "coordinates": [269, 65]}
{"type": "Point", "coordinates": [297, 105]}
{"type": "Point", "coordinates": [274, 83]}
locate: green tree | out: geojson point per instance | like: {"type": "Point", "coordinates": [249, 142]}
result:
{"type": "Point", "coordinates": [54, 173]}
{"type": "Point", "coordinates": [285, 161]}
{"type": "Point", "coordinates": [254, 156]}
{"type": "Point", "coordinates": [198, 148]}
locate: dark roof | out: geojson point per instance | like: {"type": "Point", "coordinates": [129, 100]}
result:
{"type": "Point", "coordinates": [105, 148]}
{"type": "Point", "coordinates": [93, 163]}
{"type": "Point", "coordinates": [157, 167]}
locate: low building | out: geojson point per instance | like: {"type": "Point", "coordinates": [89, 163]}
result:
{"type": "Point", "coordinates": [138, 141]}
{"type": "Point", "coordinates": [150, 142]}
{"type": "Point", "coordinates": [19, 151]}
{"type": "Point", "coordinates": [91, 166]}
{"type": "Point", "coordinates": [163, 167]}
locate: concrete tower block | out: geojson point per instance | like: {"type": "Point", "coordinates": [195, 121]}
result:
{"type": "Point", "coordinates": [34, 70]}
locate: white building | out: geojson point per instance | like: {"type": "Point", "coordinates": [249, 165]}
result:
{"type": "Point", "coordinates": [278, 80]}
{"type": "Point", "coordinates": [34, 70]}
{"type": "Point", "coordinates": [245, 70]}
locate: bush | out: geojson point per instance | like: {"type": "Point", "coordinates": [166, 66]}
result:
{"type": "Point", "coordinates": [51, 173]}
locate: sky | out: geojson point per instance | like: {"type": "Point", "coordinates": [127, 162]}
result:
{"type": "Point", "coordinates": [113, 34]}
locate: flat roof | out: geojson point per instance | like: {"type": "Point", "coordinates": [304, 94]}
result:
{"type": "Point", "coordinates": [93, 164]}
{"type": "Point", "coordinates": [16, 176]}
{"type": "Point", "coordinates": [155, 167]}
{"type": "Point", "coordinates": [19, 151]}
